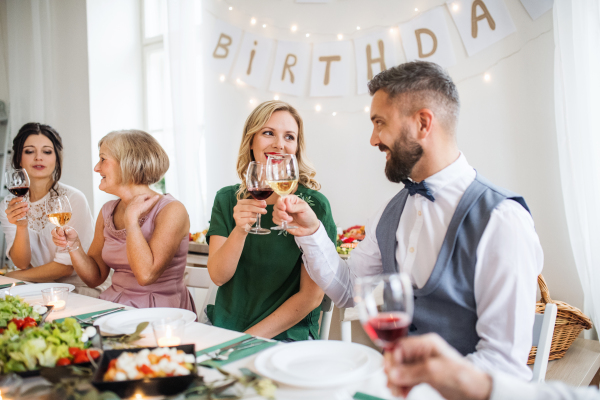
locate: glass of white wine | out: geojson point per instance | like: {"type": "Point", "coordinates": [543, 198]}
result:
{"type": "Point", "coordinates": [282, 176]}
{"type": "Point", "coordinates": [58, 210]}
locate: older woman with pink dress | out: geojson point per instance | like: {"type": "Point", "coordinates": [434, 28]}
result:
{"type": "Point", "coordinates": [142, 236]}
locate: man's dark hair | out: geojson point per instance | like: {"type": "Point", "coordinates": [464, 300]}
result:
{"type": "Point", "coordinates": [420, 84]}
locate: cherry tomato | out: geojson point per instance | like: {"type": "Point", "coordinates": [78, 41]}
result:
{"type": "Point", "coordinates": [63, 361]}
{"type": "Point", "coordinates": [18, 322]}
{"type": "Point", "coordinates": [1, 330]}
{"type": "Point", "coordinates": [94, 354]}
{"type": "Point", "coordinates": [74, 351]}
{"type": "Point", "coordinates": [112, 363]}
{"type": "Point", "coordinates": [29, 319]}
{"type": "Point", "coordinates": [81, 358]}
{"type": "Point", "coordinates": [29, 324]}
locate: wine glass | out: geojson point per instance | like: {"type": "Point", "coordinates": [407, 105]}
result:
{"type": "Point", "coordinates": [58, 210]}
{"type": "Point", "coordinates": [282, 176]}
{"type": "Point", "coordinates": [389, 321]}
{"type": "Point", "coordinates": [259, 189]}
{"type": "Point", "coordinates": [17, 182]}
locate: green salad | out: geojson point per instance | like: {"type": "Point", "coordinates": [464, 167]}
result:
{"type": "Point", "coordinates": [36, 347]}
{"type": "Point", "coordinates": [14, 307]}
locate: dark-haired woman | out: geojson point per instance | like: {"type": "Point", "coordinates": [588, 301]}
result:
{"type": "Point", "coordinates": [37, 148]}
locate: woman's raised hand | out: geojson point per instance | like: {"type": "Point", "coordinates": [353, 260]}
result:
{"type": "Point", "coordinates": [17, 209]}
{"type": "Point", "coordinates": [65, 236]}
{"type": "Point", "coordinates": [244, 212]}
{"type": "Point", "coordinates": [139, 206]}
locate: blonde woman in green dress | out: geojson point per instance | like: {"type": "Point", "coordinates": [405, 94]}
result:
{"type": "Point", "coordinates": [264, 289]}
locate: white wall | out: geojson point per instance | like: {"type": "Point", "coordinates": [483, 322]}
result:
{"type": "Point", "coordinates": [506, 128]}
{"type": "Point", "coordinates": [71, 97]}
{"type": "Point", "coordinates": [115, 60]}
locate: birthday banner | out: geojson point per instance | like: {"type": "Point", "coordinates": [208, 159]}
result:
{"type": "Point", "coordinates": [328, 66]}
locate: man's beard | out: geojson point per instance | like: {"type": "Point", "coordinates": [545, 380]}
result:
{"type": "Point", "coordinates": [404, 154]}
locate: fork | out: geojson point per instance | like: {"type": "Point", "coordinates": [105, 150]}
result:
{"type": "Point", "coordinates": [225, 355]}
{"type": "Point", "coordinates": [90, 320]}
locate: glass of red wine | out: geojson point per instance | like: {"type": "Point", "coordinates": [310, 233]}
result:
{"type": "Point", "coordinates": [259, 189]}
{"type": "Point", "coordinates": [385, 305]}
{"type": "Point", "coordinates": [17, 182]}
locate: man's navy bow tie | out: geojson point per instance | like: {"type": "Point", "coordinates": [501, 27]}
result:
{"type": "Point", "coordinates": [420, 188]}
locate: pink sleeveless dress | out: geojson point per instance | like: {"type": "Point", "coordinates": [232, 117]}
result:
{"type": "Point", "coordinates": [168, 291]}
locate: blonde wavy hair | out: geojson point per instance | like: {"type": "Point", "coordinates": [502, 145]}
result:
{"type": "Point", "coordinates": [142, 159]}
{"type": "Point", "coordinates": [255, 121]}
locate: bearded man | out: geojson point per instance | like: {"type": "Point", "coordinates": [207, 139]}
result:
{"type": "Point", "coordinates": [468, 246]}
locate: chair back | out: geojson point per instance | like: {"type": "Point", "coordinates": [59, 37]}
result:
{"type": "Point", "coordinates": [543, 329]}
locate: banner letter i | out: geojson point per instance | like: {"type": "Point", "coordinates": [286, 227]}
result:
{"type": "Point", "coordinates": [252, 53]}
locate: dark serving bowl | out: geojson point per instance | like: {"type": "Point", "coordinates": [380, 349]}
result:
{"type": "Point", "coordinates": [166, 386]}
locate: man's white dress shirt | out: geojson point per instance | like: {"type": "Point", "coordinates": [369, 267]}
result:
{"type": "Point", "coordinates": [509, 259]}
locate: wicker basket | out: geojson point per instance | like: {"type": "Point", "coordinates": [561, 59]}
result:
{"type": "Point", "coordinates": [570, 321]}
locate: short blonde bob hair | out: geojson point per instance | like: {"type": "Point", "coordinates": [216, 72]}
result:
{"type": "Point", "coordinates": [142, 159]}
{"type": "Point", "coordinates": [255, 121]}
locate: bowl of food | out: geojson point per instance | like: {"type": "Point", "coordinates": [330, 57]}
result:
{"type": "Point", "coordinates": [150, 371]}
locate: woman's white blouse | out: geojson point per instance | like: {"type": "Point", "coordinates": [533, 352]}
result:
{"type": "Point", "coordinates": [43, 249]}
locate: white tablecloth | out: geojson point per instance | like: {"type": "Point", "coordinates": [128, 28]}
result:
{"type": "Point", "coordinates": [204, 336]}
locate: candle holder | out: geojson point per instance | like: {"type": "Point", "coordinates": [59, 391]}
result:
{"type": "Point", "coordinates": [168, 332]}
{"type": "Point", "coordinates": [56, 296]}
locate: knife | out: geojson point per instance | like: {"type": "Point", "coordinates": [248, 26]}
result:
{"type": "Point", "coordinates": [93, 318]}
{"type": "Point", "coordinates": [238, 343]}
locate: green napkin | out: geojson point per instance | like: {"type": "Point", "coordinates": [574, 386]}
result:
{"type": "Point", "coordinates": [10, 284]}
{"type": "Point", "coordinates": [364, 396]}
{"type": "Point", "coordinates": [236, 354]}
{"type": "Point", "coordinates": [84, 316]}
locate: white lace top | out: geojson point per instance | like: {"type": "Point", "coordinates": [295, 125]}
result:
{"type": "Point", "coordinates": [43, 249]}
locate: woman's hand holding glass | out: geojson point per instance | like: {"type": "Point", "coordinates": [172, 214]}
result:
{"type": "Point", "coordinates": [59, 212]}
{"type": "Point", "coordinates": [17, 182]}
{"type": "Point", "coordinates": [259, 189]}
{"type": "Point", "coordinates": [245, 211]}
{"type": "Point", "coordinates": [282, 175]}
{"type": "Point", "coordinates": [65, 238]}
{"type": "Point", "coordinates": [16, 211]}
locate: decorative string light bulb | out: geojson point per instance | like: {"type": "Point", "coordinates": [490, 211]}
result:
{"type": "Point", "coordinates": [318, 107]}
{"type": "Point", "coordinates": [294, 28]}
{"type": "Point", "coordinates": [340, 36]}
{"type": "Point", "coordinates": [253, 21]}
{"type": "Point", "coordinates": [264, 25]}
{"type": "Point", "coordinates": [230, 8]}
{"type": "Point", "coordinates": [308, 34]}
{"type": "Point", "coordinates": [334, 113]}
{"type": "Point", "coordinates": [222, 78]}
{"type": "Point", "coordinates": [487, 77]}
{"type": "Point", "coordinates": [367, 109]}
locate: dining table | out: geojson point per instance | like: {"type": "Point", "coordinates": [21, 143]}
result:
{"type": "Point", "coordinates": [204, 336]}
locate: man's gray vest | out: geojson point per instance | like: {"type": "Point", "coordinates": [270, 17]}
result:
{"type": "Point", "coordinates": [446, 304]}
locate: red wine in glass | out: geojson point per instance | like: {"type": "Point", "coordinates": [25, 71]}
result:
{"type": "Point", "coordinates": [260, 193]}
{"type": "Point", "coordinates": [19, 191]}
{"type": "Point", "coordinates": [387, 327]}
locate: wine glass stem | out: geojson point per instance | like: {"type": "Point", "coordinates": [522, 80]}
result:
{"type": "Point", "coordinates": [65, 232]}
{"type": "Point", "coordinates": [258, 221]}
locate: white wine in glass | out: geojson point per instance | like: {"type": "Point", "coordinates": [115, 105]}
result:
{"type": "Point", "coordinates": [282, 176]}
{"type": "Point", "coordinates": [59, 212]}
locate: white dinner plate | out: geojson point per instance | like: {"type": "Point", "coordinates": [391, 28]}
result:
{"type": "Point", "coordinates": [126, 322]}
{"type": "Point", "coordinates": [318, 364]}
{"type": "Point", "coordinates": [36, 289]}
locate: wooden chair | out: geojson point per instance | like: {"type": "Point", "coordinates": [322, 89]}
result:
{"type": "Point", "coordinates": [543, 329]}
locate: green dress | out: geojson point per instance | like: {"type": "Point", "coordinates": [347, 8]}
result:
{"type": "Point", "coordinates": [268, 272]}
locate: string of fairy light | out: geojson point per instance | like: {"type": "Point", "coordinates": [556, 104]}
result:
{"type": "Point", "coordinates": [485, 75]}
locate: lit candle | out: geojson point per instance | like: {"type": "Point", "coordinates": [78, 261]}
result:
{"type": "Point", "coordinates": [168, 339]}
{"type": "Point", "coordinates": [58, 304]}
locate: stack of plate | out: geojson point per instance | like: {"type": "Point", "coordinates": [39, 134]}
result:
{"type": "Point", "coordinates": [126, 322]}
{"type": "Point", "coordinates": [319, 364]}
